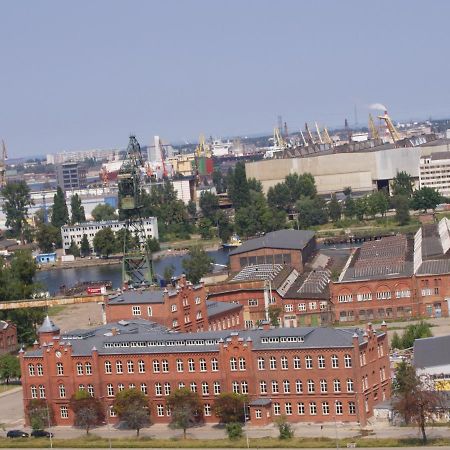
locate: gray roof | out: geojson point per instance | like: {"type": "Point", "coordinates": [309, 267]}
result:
{"type": "Point", "coordinates": [282, 239]}
{"type": "Point", "coordinates": [137, 296]}
{"type": "Point", "coordinates": [216, 308]}
{"type": "Point", "coordinates": [433, 351]}
{"type": "Point", "coordinates": [145, 337]}
{"type": "Point", "coordinates": [434, 267]}
{"type": "Point", "coordinates": [48, 326]}
{"type": "Point", "coordinates": [258, 272]}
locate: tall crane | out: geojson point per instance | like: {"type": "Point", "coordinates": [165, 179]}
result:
{"type": "Point", "coordinates": [278, 140]}
{"type": "Point", "coordinates": [137, 264]}
{"type": "Point", "coordinates": [373, 129]}
{"type": "Point", "coordinates": [390, 126]}
{"type": "Point", "coordinates": [309, 134]}
{"type": "Point", "coordinates": [328, 139]}
{"type": "Point", "coordinates": [318, 133]}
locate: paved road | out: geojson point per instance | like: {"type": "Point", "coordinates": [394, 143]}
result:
{"type": "Point", "coordinates": [11, 408]}
{"type": "Point", "coordinates": [244, 448]}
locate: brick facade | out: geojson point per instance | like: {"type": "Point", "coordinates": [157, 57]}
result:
{"type": "Point", "coordinates": [8, 337]}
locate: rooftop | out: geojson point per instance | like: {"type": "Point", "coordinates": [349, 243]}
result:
{"type": "Point", "coordinates": [48, 326]}
{"type": "Point", "coordinates": [433, 351]}
{"type": "Point", "coordinates": [217, 308]}
{"type": "Point", "coordinates": [131, 297]}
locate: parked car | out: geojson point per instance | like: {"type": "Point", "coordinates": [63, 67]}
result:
{"type": "Point", "coordinates": [16, 434]}
{"type": "Point", "coordinates": [41, 433]}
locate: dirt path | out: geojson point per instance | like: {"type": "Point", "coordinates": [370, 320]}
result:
{"type": "Point", "coordinates": [86, 315]}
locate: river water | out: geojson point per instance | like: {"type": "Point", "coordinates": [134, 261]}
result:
{"type": "Point", "coordinates": [51, 280]}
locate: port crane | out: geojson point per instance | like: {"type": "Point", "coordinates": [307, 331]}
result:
{"type": "Point", "coordinates": [373, 129]}
{"type": "Point", "coordinates": [390, 126]}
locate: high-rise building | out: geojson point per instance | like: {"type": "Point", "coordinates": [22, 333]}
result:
{"type": "Point", "coordinates": [71, 176]}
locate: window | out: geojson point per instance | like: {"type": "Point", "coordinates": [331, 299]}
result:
{"type": "Point", "coordinates": [273, 363]}
{"type": "Point", "coordinates": [284, 363]}
{"type": "Point", "coordinates": [325, 408]}
{"type": "Point", "coordinates": [41, 391]}
{"type": "Point", "coordinates": [181, 385]}
{"type": "Point", "coordinates": [288, 408]}
{"type": "Point", "coordinates": [166, 388]}
{"type": "Point", "coordinates": [156, 366]}
{"type": "Point", "coordinates": [90, 390]}
{"type": "Point", "coordinates": [207, 409]}
{"type": "Point", "coordinates": [193, 386]}
{"type": "Point", "coordinates": [60, 369]}
{"type": "Point", "coordinates": [347, 361]}
{"type": "Point", "coordinates": [385, 295]}
{"type": "Point", "coordinates": [149, 311]}
{"type": "Point", "coordinates": [109, 390]}
{"type": "Point", "coordinates": [179, 365]}
{"type": "Point", "coordinates": [313, 408]}
{"type": "Point", "coordinates": [339, 409]}
{"type": "Point", "coordinates": [233, 364]}
{"type": "Point", "coordinates": [88, 368]}
{"type": "Point", "coordinates": [141, 366]}
{"type": "Point", "coordinates": [403, 293]}
{"type": "Point", "coordinates": [248, 324]}
{"type": "Point", "coordinates": [202, 365]}
{"type": "Point", "coordinates": [350, 385]}
{"type": "Point", "coordinates": [345, 298]}
{"type": "Point", "coordinates": [241, 363]}
{"type": "Point", "coordinates": [252, 302]}
{"type": "Point", "coordinates": [119, 367]}
{"type": "Point", "coordinates": [130, 367]}
{"type": "Point", "coordinates": [323, 386]}
{"type": "Point", "coordinates": [275, 387]}
{"type": "Point", "coordinates": [120, 387]}
{"type": "Point", "coordinates": [321, 361]}
{"type": "Point", "coordinates": [197, 300]}
{"type": "Point", "coordinates": [261, 363]}
{"type": "Point", "coordinates": [144, 388]}
{"type": "Point", "coordinates": [214, 365]}
{"type": "Point", "coordinates": [39, 370]}
{"type": "Point", "coordinates": [364, 297]}
{"type": "Point", "coordinates": [289, 307]}
{"type": "Point", "coordinates": [31, 370]}
{"type": "Point", "coordinates": [33, 392]}
{"type": "Point", "coordinates": [302, 306]}
{"type": "Point", "coordinates": [235, 387]}
{"type": "Point", "coordinates": [136, 310]}
{"type": "Point", "coordinates": [79, 368]}
{"type": "Point", "coordinates": [191, 365]}
{"type": "Point", "coordinates": [62, 391]}
{"type": "Point", "coordinates": [108, 367]}
{"type": "Point", "coordinates": [298, 386]}
{"type": "Point", "coordinates": [64, 412]}
{"type": "Point", "coordinates": [160, 410]}
{"type": "Point", "coordinates": [311, 387]}
{"type": "Point", "coordinates": [258, 414]}
{"type": "Point", "coordinates": [276, 409]}
{"type": "Point", "coordinates": [286, 387]}
{"type": "Point", "coordinates": [351, 407]}
{"type": "Point", "coordinates": [308, 362]}
{"type": "Point", "coordinates": [312, 305]}
{"type": "Point", "coordinates": [205, 388]}
{"type": "Point", "coordinates": [216, 388]}
{"type": "Point", "coordinates": [173, 308]}
{"type": "Point", "coordinates": [174, 323]}
{"type": "Point", "coordinates": [336, 385]}
{"type": "Point", "coordinates": [300, 408]}
{"type": "Point", "coordinates": [244, 387]}
{"type": "Point", "coordinates": [297, 364]}
{"type": "Point", "coordinates": [426, 292]}
{"type": "Point", "coordinates": [334, 361]}
{"type": "Point", "coordinates": [165, 365]}
{"type": "Point", "coordinates": [263, 387]}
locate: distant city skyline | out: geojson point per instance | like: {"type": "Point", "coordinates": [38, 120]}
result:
{"type": "Point", "coordinates": [85, 75]}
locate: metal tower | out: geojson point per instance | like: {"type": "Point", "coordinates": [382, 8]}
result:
{"type": "Point", "coordinates": [137, 263]}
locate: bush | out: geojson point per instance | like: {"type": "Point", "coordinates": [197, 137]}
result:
{"type": "Point", "coordinates": [234, 430]}
{"type": "Point", "coordinates": [285, 429]}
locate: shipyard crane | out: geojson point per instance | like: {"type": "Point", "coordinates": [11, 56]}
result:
{"type": "Point", "coordinates": [390, 126]}
{"type": "Point", "coordinates": [328, 139]}
{"type": "Point", "coordinates": [318, 133]}
{"type": "Point", "coordinates": [303, 138]}
{"type": "Point", "coordinates": [278, 140]}
{"type": "Point", "coordinates": [309, 134]}
{"type": "Point", "coordinates": [137, 264]}
{"type": "Point", "coordinates": [202, 148]}
{"type": "Point", "coordinates": [372, 128]}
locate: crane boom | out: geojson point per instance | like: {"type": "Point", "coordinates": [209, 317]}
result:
{"type": "Point", "coordinates": [372, 128]}
{"type": "Point", "coordinates": [318, 133]}
{"type": "Point", "coordinates": [390, 126]}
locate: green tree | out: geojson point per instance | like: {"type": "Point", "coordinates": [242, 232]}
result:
{"type": "Point", "coordinates": [311, 211]}
{"type": "Point", "coordinates": [48, 237]}
{"type": "Point", "coordinates": [153, 245]}
{"type": "Point", "coordinates": [103, 211]}
{"type": "Point", "coordinates": [401, 205]}
{"type": "Point", "coordinates": [229, 407]}
{"type": "Point", "coordinates": [402, 184]}
{"type": "Point", "coordinates": [209, 204]}
{"type": "Point", "coordinates": [299, 186]}
{"type": "Point", "coordinates": [219, 181]}
{"type": "Point", "coordinates": [132, 406]}
{"type": "Point", "coordinates": [377, 203]}
{"type": "Point", "coordinates": [192, 208]}
{"type": "Point", "coordinates": [284, 428]}
{"type": "Point", "coordinates": [238, 189]}
{"type": "Point", "coordinates": [278, 197]}
{"type": "Point", "coordinates": [85, 248]}
{"type": "Point", "coordinates": [360, 208]}
{"type": "Point", "coordinates": [105, 242]}
{"type": "Point", "coordinates": [350, 209]}
{"type": "Point", "coordinates": [73, 249]}
{"type": "Point", "coordinates": [168, 273]}
{"type": "Point", "coordinates": [415, 331]}
{"type": "Point", "coordinates": [334, 209]}
{"type": "Point", "coordinates": [395, 341]}
{"type": "Point", "coordinates": [88, 411]}
{"type": "Point", "coordinates": [274, 315]}
{"type": "Point", "coordinates": [17, 200]}
{"type": "Point", "coordinates": [186, 409]}
{"type": "Point", "coordinates": [234, 430]}
{"type": "Point", "coordinates": [40, 415]}
{"type": "Point", "coordinates": [60, 213]}
{"type": "Point", "coordinates": [77, 210]}
{"type": "Point", "coordinates": [224, 227]}
{"type": "Point", "coordinates": [426, 198]}
{"type": "Point", "coordinates": [9, 367]}
{"type": "Point", "coordinates": [205, 228]}
{"type": "Point", "coordinates": [255, 185]}
{"type": "Point", "coordinates": [197, 264]}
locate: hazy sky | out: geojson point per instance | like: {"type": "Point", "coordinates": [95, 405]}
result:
{"type": "Point", "coordinates": [84, 74]}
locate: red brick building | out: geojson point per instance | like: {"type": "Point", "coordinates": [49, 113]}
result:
{"type": "Point", "coordinates": [8, 337]}
{"type": "Point", "coordinates": [307, 374]}
{"type": "Point", "coordinates": [285, 247]}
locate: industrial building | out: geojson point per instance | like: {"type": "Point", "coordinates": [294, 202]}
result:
{"type": "Point", "coordinates": [8, 337]}
{"type": "Point", "coordinates": [70, 176]}
{"type": "Point", "coordinates": [434, 172]}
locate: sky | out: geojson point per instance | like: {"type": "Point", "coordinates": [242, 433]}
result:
{"type": "Point", "coordinates": [86, 74]}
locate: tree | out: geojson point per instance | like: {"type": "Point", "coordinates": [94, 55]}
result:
{"type": "Point", "coordinates": [360, 208]}
{"type": "Point", "coordinates": [415, 331]}
{"type": "Point", "coordinates": [168, 273]}
{"type": "Point", "coordinates": [132, 406]}
{"type": "Point", "coordinates": [88, 410]}
{"type": "Point", "coordinates": [73, 249]}
{"type": "Point", "coordinates": [153, 245]}
{"type": "Point", "coordinates": [9, 367]}
{"type": "Point", "coordinates": [85, 248]}
{"type": "Point", "coordinates": [192, 208]}
{"type": "Point", "coordinates": [402, 184]}
{"type": "Point", "coordinates": [377, 203]}
{"type": "Point", "coordinates": [16, 202]}
{"type": "Point", "coordinates": [311, 211]}
{"type": "Point", "coordinates": [299, 186]}
{"type": "Point", "coordinates": [205, 228]}
{"type": "Point", "coordinates": [395, 341]}
{"type": "Point", "coordinates": [401, 205]}
{"type": "Point", "coordinates": [350, 209]}
{"type": "Point", "coordinates": [40, 415]}
{"type": "Point", "coordinates": [274, 315]}
{"type": "Point", "coordinates": [278, 197]}
{"type": "Point", "coordinates": [209, 204]}
{"type": "Point", "coordinates": [426, 198]}
{"type": "Point", "coordinates": [229, 407]}
{"type": "Point", "coordinates": [238, 189]}
{"type": "Point", "coordinates": [285, 428]}
{"type": "Point", "coordinates": [255, 185]}
{"type": "Point", "coordinates": [347, 191]}
{"type": "Point", "coordinates": [48, 237]}
{"type": "Point", "coordinates": [103, 211]}
{"type": "Point", "coordinates": [197, 264]}
{"type": "Point", "coordinates": [224, 227]}
{"type": "Point", "coordinates": [334, 209]}
{"type": "Point", "coordinates": [105, 242]}
{"type": "Point", "coordinates": [234, 430]}
{"type": "Point", "coordinates": [77, 210]}
{"type": "Point", "coordinates": [60, 213]}
{"type": "Point", "coordinates": [219, 181]}
{"type": "Point", "coordinates": [415, 397]}
{"type": "Point", "coordinates": [186, 409]}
